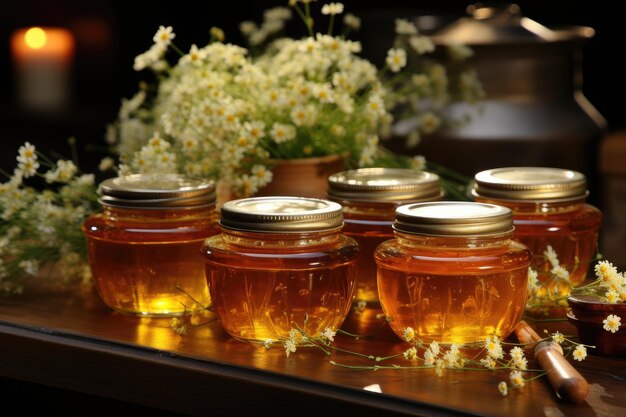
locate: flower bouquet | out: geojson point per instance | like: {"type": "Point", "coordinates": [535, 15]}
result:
{"type": "Point", "coordinates": [232, 113]}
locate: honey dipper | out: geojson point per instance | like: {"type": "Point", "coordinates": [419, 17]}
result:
{"type": "Point", "coordinates": [568, 384]}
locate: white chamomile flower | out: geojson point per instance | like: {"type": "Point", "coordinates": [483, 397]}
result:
{"type": "Point", "coordinates": [396, 59]}
{"type": "Point", "coordinates": [164, 35]}
{"type": "Point", "coordinates": [612, 323]}
{"type": "Point", "coordinates": [580, 353]}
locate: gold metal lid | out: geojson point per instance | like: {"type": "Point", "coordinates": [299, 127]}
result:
{"type": "Point", "coordinates": [280, 214]}
{"type": "Point", "coordinates": [157, 191]}
{"type": "Point", "coordinates": [530, 184]}
{"type": "Point", "coordinates": [453, 218]}
{"type": "Point", "coordinates": [384, 185]}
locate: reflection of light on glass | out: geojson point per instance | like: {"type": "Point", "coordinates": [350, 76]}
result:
{"type": "Point", "coordinates": [42, 60]}
{"type": "Point", "coordinates": [553, 229]}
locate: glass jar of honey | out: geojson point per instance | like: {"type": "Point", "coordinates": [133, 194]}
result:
{"type": "Point", "coordinates": [452, 273]}
{"type": "Point", "coordinates": [369, 197]}
{"type": "Point", "coordinates": [280, 263]}
{"type": "Point", "coordinates": [551, 218]}
{"type": "Point", "coordinates": [144, 247]}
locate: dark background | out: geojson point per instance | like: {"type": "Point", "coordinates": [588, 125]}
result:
{"type": "Point", "coordinates": [110, 33]}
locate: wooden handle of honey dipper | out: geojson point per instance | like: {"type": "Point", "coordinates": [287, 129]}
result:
{"type": "Point", "coordinates": [566, 381]}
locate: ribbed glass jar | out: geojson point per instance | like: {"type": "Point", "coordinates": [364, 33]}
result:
{"type": "Point", "coordinates": [549, 211]}
{"type": "Point", "coordinates": [144, 247]}
{"type": "Point", "coordinates": [369, 197]}
{"type": "Point", "coordinates": [280, 263]}
{"type": "Point", "coordinates": [452, 273]}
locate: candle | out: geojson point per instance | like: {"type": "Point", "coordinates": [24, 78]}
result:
{"type": "Point", "coordinates": [43, 59]}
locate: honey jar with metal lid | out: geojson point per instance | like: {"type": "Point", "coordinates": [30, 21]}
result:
{"type": "Point", "coordinates": [280, 263]}
{"type": "Point", "coordinates": [452, 273]}
{"type": "Point", "coordinates": [551, 217]}
{"type": "Point", "coordinates": [369, 197]}
{"type": "Point", "coordinates": [144, 247]}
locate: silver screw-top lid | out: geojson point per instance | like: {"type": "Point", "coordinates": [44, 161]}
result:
{"type": "Point", "coordinates": [453, 218]}
{"type": "Point", "coordinates": [538, 184]}
{"type": "Point", "coordinates": [384, 185]}
{"type": "Point", "coordinates": [157, 191]}
{"type": "Point", "coordinates": [280, 214]}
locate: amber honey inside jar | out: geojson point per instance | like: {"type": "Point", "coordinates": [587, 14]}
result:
{"type": "Point", "coordinates": [452, 273]}
{"type": "Point", "coordinates": [551, 217]}
{"type": "Point", "coordinates": [369, 197]}
{"type": "Point", "coordinates": [280, 263]}
{"type": "Point", "coordinates": [144, 248]}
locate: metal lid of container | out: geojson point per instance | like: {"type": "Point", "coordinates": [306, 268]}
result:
{"type": "Point", "coordinates": [453, 218]}
{"type": "Point", "coordinates": [157, 191]}
{"type": "Point", "coordinates": [384, 185]}
{"type": "Point", "coordinates": [538, 184]}
{"type": "Point", "coordinates": [280, 214]}
{"type": "Point", "coordinates": [502, 24]}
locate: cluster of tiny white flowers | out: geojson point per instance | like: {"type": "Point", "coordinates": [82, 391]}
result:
{"type": "Point", "coordinates": [313, 96]}
{"type": "Point", "coordinates": [43, 226]}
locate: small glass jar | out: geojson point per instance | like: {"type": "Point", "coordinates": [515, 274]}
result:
{"type": "Point", "coordinates": [452, 273]}
{"type": "Point", "coordinates": [280, 263]}
{"type": "Point", "coordinates": [144, 247]}
{"type": "Point", "coordinates": [549, 210]}
{"type": "Point", "coordinates": [369, 197]}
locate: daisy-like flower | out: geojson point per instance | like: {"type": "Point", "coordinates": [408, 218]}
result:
{"type": "Point", "coordinates": [488, 362]}
{"type": "Point", "coordinates": [351, 21]}
{"type": "Point", "coordinates": [429, 357]}
{"type": "Point", "coordinates": [434, 347]}
{"type": "Point", "coordinates": [328, 334]}
{"type": "Point", "coordinates": [580, 353]}
{"type": "Point", "coordinates": [408, 334]}
{"type": "Point", "coordinates": [493, 347]}
{"type": "Point", "coordinates": [410, 354]}
{"type": "Point", "coordinates": [164, 35]}
{"type": "Point", "coordinates": [282, 133]}
{"type": "Point", "coordinates": [290, 347]}
{"type": "Point", "coordinates": [26, 152]}
{"type": "Point", "coordinates": [516, 353]}
{"type": "Point", "coordinates": [332, 8]}
{"type": "Point", "coordinates": [503, 388]}
{"type": "Point", "coordinates": [404, 27]}
{"type": "Point", "coordinates": [421, 44]}
{"type": "Point", "coordinates": [560, 272]}
{"type": "Point", "coordinates": [517, 379]}
{"type": "Point", "coordinates": [612, 323]}
{"type": "Point", "coordinates": [396, 59]}
{"type": "Point", "coordinates": [558, 337]}
{"type": "Point", "coordinates": [612, 296]}
{"type": "Point", "coordinates": [551, 256]}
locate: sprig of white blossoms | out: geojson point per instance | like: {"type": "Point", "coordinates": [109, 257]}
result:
{"type": "Point", "coordinates": [42, 227]}
{"type": "Point", "coordinates": [609, 285]}
{"type": "Point", "coordinates": [307, 97]}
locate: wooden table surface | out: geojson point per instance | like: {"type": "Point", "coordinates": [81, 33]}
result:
{"type": "Point", "coordinates": [70, 340]}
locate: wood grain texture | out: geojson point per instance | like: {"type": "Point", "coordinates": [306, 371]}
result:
{"type": "Point", "coordinates": [72, 341]}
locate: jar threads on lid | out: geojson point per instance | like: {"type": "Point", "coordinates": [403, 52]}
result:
{"type": "Point", "coordinates": [551, 217]}
{"type": "Point", "coordinates": [369, 197]}
{"type": "Point", "coordinates": [144, 248]}
{"type": "Point", "coordinates": [452, 273]}
{"type": "Point", "coordinates": [280, 263]}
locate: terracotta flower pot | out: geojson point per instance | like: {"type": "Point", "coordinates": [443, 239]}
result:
{"type": "Point", "coordinates": [305, 177]}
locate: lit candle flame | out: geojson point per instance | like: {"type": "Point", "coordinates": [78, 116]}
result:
{"type": "Point", "coordinates": [35, 38]}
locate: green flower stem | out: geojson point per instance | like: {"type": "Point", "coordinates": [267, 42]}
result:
{"type": "Point", "coordinates": [177, 49]}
